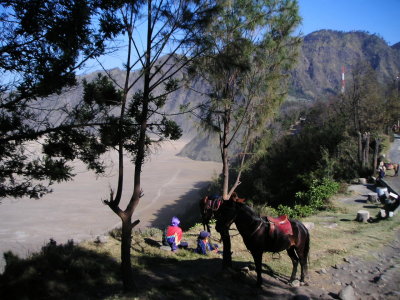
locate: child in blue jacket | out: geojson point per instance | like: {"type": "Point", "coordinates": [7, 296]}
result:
{"type": "Point", "coordinates": [203, 245]}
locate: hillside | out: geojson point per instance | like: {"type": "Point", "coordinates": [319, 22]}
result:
{"type": "Point", "coordinates": [324, 52]}
{"type": "Point", "coordinates": [317, 74]}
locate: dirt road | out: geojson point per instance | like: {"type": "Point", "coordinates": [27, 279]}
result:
{"type": "Point", "coordinates": [75, 211]}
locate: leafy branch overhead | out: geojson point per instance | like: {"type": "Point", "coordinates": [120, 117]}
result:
{"type": "Point", "coordinates": [43, 44]}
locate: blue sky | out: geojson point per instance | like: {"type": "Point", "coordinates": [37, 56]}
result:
{"type": "Point", "coordinates": [381, 17]}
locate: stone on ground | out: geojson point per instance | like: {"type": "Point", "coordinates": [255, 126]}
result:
{"type": "Point", "coordinates": [362, 216]}
{"type": "Point", "coordinates": [347, 293]}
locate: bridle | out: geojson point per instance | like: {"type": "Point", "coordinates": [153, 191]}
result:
{"type": "Point", "coordinates": [235, 216]}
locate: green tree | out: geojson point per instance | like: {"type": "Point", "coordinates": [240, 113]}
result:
{"type": "Point", "coordinates": [251, 48]}
{"type": "Point", "coordinates": [170, 32]}
{"type": "Point", "coordinates": [42, 45]}
{"type": "Point", "coordinates": [364, 101]}
{"type": "Point", "coordinates": [246, 66]}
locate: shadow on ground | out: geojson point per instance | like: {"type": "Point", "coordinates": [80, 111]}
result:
{"type": "Point", "coordinates": [186, 208]}
{"type": "Point", "coordinates": [60, 272]}
{"type": "Point", "coordinates": [201, 278]}
{"type": "Point", "coordinates": [72, 272]}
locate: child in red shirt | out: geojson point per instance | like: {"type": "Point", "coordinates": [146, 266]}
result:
{"type": "Point", "coordinates": [173, 235]}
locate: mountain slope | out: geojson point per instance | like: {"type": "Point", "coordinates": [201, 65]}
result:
{"type": "Point", "coordinates": [317, 74]}
{"type": "Point", "coordinates": [324, 52]}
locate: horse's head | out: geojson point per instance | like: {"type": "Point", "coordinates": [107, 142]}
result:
{"type": "Point", "coordinates": [225, 215]}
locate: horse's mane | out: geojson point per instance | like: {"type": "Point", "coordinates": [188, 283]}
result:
{"type": "Point", "coordinates": [250, 211]}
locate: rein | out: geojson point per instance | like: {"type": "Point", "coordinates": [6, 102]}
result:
{"type": "Point", "coordinates": [259, 225]}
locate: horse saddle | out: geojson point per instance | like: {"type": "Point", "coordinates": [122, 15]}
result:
{"type": "Point", "coordinates": [213, 202]}
{"type": "Point", "coordinates": [282, 223]}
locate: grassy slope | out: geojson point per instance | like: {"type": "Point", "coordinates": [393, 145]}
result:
{"type": "Point", "coordinates": [90, 270]}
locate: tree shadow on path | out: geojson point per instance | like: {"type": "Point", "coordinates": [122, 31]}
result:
{"type": "Point", "coordinates": [186, 208]}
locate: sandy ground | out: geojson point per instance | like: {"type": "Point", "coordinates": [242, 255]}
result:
{"type": "Point", "coordinates": [74, 210]}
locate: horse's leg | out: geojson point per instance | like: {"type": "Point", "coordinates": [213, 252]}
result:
{"type": "Point", "coordinates": [257, 256]}
{"type": "Point", "coordinates": [303, 252]}
{"type": "Point", "coordinates": [208, 227]}
{"type": "Point", "coordinates": [203, 221]}
{"type": "Point", "coordinates": [295, 262]}
{"type": "Point", "coordinates": [304, 268]}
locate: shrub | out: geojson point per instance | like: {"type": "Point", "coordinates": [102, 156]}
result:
{"type": "Point", "coordinates": [318, 194]}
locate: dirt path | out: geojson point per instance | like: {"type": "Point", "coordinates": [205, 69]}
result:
{"type": "Point", "coordinates": [376, 278]}
{"type": "Point", "coordinates": [370, 279]}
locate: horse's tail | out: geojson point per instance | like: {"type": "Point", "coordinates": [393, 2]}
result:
{"type": "Point", "coordinates": [306, 245]}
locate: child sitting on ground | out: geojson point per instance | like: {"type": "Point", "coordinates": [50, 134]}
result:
{"type": "Point", "coordinates": [173, 235]}
{"type": "Point", "coordinates": [203, 245]}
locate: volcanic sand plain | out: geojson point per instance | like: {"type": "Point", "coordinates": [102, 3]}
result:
{"type": "Point", "coordinates": [74, 210]}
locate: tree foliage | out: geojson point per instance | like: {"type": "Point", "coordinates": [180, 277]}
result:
{"type": "Point", "coordinates": [251, 48]}
{"type": "Point", "coordinates": [326, 145]}
{"type": "Point", "coordinates": [43, 44]}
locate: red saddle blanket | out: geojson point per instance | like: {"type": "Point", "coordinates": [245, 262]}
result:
{"type": "Point", "coordinates": [282, 223]}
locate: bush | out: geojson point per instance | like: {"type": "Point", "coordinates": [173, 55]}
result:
{"type": "Point", "coordinates": [320, 191]}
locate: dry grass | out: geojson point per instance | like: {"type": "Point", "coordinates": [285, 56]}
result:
{"type": "Point", "coordinates": [335, 236]}
{"type": "Point", "coordinates": [160, 272]}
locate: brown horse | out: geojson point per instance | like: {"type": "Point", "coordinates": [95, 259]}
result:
{"type": "Point", "coordinates": [261, 235]}
{"type": "Point", "coordinates": [210, 204]}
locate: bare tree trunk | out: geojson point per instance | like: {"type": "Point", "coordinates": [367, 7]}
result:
{"type": "Point", "coordinates": [225, 173]}
{"type": "Point", "coordinates": [376, 152]}
{"type": "Point", "coordinates": [126, 265]}
{"type": "Point", "coordinates": [225, 155]}
{"type": "Point", "coordinates": [364, 146]}
{"type": "Point", "coordinates": [359, 148]}
{"type": "Point", "coordinates": [367, 149]}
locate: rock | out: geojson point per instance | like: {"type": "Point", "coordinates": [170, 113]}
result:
{"type": "Point", "coordinates": [323, 271]}
{"type": "Point", "coordinates": [347, 293]}
{"type": "Point", "coordinates": [165, 248]}
{"type": "Point", "coordinates": [383, 213]}
{"type": "Point", "coordinates": [309, 225]}
{"type": "Point", "coordinates": [295, 283]}
{"type": "Point", "coordinates": [362, 180]}
{"type": "Point", "coordinates": [362, 216]}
